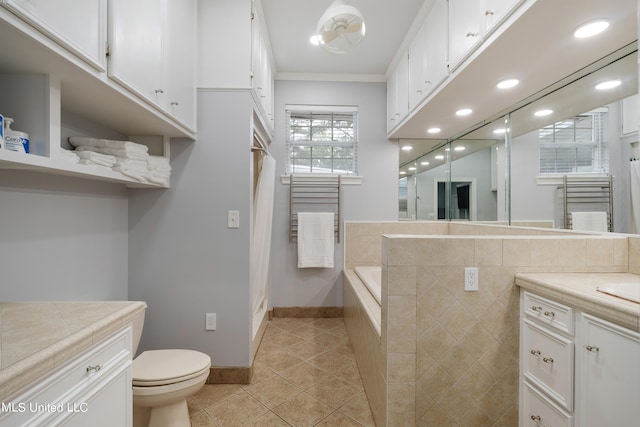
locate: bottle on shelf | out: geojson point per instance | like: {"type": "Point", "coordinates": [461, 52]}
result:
{"type": "Point", "coordinates": [14, 140]}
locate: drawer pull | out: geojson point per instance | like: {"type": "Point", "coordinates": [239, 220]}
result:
{"type": "Point", "coordinates": [535, 352]}
{"type": "Point", "coordinates": [534, 308]}
{"type": "Point", "coordinates": [592, 348]}
{"type": "Point", "coordinates": [550, 314]}
{"type": "Point", "coordinates": [536, 418]}
{"type": "Point", "coordinates": [547, 360]}
{"type": "Point", "coordinates": [95, 368]}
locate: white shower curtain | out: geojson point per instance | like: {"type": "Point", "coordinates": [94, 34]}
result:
{"type": "Point", "coordinates": [634, 170]}
{"type": "Point", "coordinates": [262, 224]}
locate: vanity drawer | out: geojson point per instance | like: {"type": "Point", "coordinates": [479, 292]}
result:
{"type": "Point", "coordinates": [547, 361]}
{"type": "Point", "coordinates": [550, 313]}
{"type": "Point", "coordinates": [537, 411]}
{"type": "Point", "coordinates": [66, 388]}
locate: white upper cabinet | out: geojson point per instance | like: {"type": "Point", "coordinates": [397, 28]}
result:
{"type": "Point", "coordinates": [465, 28]}
{"type": "Point", "coordinates": [398, 93]}
{"type": "Point", "coordinates": [135, 46]}
{"type": "Point", "coordinates": [180, 59]}
{"type": "Point", "coordinates": [261, 72]}
{"type": "Point", "coordinates": [470, 21]}
{"type": "Point", "coordinates": [83, 32]}
{"type": "Point", "coordinates": [428, 55]}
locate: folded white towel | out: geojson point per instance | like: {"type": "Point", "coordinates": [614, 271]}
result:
{"type": "Point", "coordinates": [159, 163]}
{"type": "Point", "coordinates": [87, 157]}
{"type": "Point", "coordinates": [123, 153]}
{"type": "Point", "coordinates": [78, 141]}
{"type": "Point", "coordinates": [134, 165]}
{"type": "Point", "coordinates": [132, 173]}
{"type": "Point", "coordinates": [589, 221]}
{"type": "Point", "coordinates": [315, 239]}
{"type": "Point", "coordinates": [160, 180]}
{"type": "Point", "coordinates": [69, 155]}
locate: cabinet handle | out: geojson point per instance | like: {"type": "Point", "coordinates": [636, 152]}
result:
{"type": "Point", "coordinates": [534, 308]}
{"type": "Point", "coordinates": [592, 348]}
{"type": "Point", "coordinates": [550, 314]}
{"type": "Point", "coordinates": [428, 82]}
{"type": "Point", "coordinates": [536, 418]}
{"type": "Point", "coordinates": [174, 103]}
{"type": "Point", "coordinates": [159, 91]}
{"type": "Point", "coordinates": [489, 13]}
{"type": "Point", "coordinates": [95, 368]}
{"type": "Point", "coordinates": [535, 352]}
{"type": "Point", "coordinates": [470, 34]}
{"type": "Point", "coordinates": [547, 360]}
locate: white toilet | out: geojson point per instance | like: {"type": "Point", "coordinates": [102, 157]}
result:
{"type": "Point", "coordinates": [162, 380]}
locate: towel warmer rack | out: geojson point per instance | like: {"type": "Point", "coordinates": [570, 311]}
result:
{"type": "Point", "coordinates": [314, 194]}
{"type": "Point", "coordinates": [590, 193]}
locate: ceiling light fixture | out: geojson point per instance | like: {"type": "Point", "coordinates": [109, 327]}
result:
{"type": "Point", "coordinates": [507, 83]}
{"type": "Point", "coordinates": [542, 113]}
{"type": "Point", "coordinates": [608, 84]}
{"type": "Point", "coordinates": [424, 163]}
{"type": "Point", "coordinates": [464, 112]}
{"type": "Point", "coordinates": [340, 28]}
{"type": "Point", "coordinates": [412, 168]}
{"type": "Point", "coordinates": [499, 131]}
{"type": "Point", "coordinates": [403, 173]}
{"type": "Point", "coordinates": [407, 147]}
{"type": "Point", "coordinates": [591, 29]}
{"type": "Point", "coordinates": [433, 130]}
{"type": "Point", "coordinates": [439, 157]}
{"type": "Point", "coordinates": [460, 148]}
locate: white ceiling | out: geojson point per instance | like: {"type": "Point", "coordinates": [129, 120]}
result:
{"type": "Point", "coordinates": [291, 23]}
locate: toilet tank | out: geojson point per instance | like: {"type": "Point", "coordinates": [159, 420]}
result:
{"type": "Point", "coordinates": [137, 324]}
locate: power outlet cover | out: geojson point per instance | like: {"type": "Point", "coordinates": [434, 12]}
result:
{"type": "Point", "coordinates": [210, 322]}
{"type": "Point", "coordinates": [470, 279]}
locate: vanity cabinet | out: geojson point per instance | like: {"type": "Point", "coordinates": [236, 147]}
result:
{"type": "Point", "coordinates": [575, 367]}
{"type": "Point", "coordinates": [607, 374]}
{"type": "Point", "coordinates": [398, 93]}
{"type": "Point", "coordinates": [83, 32]}
{"type": "Point", "coordinates": [428, 55]}
{"type": "Point", "coordinates": [92, 389]}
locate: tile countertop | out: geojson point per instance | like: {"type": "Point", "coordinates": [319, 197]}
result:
{"type": "Point", "coordinates": [579, 290]}
{"type": "Point", "coordinates": [37, 337]}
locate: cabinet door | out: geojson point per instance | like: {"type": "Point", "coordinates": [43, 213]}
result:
{"type": "Point", "coordinates": [418, 68]}
{"type": "Point", "coordinates": [494, 11]}
{"type": "Point", "coordinates": [180, 61]}
{"type": "Point", "coordinates": [465, 29]}
{"type": "Point", "coordinates": [436, 45]}
{"type": "Point", "coordinates": [135, 45]}
{"type": "Point", "coordinates": [83, 31]}
{"type": "Point", "coordinates": [398, 93]}
{"type": "Point", "coordinates": [608, 374]}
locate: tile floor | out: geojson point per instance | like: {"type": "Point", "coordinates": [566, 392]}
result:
{"type": "Point", "coordinates": [304, 375]}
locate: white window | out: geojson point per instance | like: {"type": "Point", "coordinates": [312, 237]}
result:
{"type": "Point", "coordinates": [322, 139]}
{"type": "Point", "coordinates": [576, 145]}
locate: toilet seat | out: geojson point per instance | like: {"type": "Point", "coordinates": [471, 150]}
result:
{"type": "Point", "coordinates": [163, 367]}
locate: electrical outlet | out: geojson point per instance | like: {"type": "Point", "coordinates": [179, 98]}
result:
{"type": "Point", "coordinates": [470, 279]}
{"type": "Point", "coordinates": [210, 322]}
{"type": "Point", "coordinates": [233, 219]}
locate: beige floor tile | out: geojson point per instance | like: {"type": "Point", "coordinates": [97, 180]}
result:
{"type": "Point", "coordinates": [358, 409]}
{"type": "Point", "coordinates": [211, 394]}
{"type": "Point", "coordinates": [273, 391]}
{"type": "Point", "coordinates": [303, 410]}
{"type": "Point", "coordinates": [285, 323]}
{"type": "Point", "coordinates": [331, 361]}
{"type": "Point", "coordinates": [304, 375]}
{"type": "Point", "coordinates": [202, 419]}
{"type": "Point", "coordinates": [268, 420]}
{"type": "Point", "coordinates": [338, 419]}
{"type": "Point", "coordinates": [238, 410]}
{"type": "Point", "coordinates": [305, 331]}
{"type": "Point", "coordinates": [307, 349]}
{"type": "Point", "coordinates": [281, 361]}
{"type": "Point", "coordinates": [333, 391]}
{"type": "Point", "coordinates": [261, 372]}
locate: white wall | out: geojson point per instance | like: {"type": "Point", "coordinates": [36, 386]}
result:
{"type": "Point", "coordinates": [62, 238]}
{"type": "Point", "coordinates": [375, 199]}
{"type": "Point", "coordinates": [183, 260]}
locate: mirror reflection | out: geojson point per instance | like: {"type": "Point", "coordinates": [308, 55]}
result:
{"type": "Point", "coordinates": [512, 169]}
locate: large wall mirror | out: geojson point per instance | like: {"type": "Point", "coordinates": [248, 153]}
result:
{"type": "Point", "coordinates": [511, 169]}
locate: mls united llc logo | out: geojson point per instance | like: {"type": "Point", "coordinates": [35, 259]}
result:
{"type": "Point", "coordinates": [33, 407]}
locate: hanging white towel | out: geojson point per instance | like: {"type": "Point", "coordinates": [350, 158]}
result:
{"type": "Point", "coordinates": [315, 239]}
{"type": "Point", "coordinates": [589, 221]}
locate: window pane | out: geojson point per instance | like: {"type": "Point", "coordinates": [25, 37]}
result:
{"type": "Point", "coordinates": [322, 165]}
{"type": "Point", "coordinates": [322, 151]}
{"type": "Point", "coordinates": [342, 165]}
{"type": "Point", "coordinates": [301, 151]}
{"type": "Point", "coordinates": [301, 166]}
{"type": "Point", "coordinates": [342, 152]}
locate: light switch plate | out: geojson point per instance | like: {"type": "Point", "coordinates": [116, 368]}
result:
{"type": "Point", "coordinates": [233, 219]}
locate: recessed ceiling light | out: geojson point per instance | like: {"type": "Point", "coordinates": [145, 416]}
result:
{"type": "Point", "coordinates": [315, 40]}
{"type": "Point", "coordinates": [433, 130]}
{"type": "Point", "coordinates": [499, 131]}
{"type": "Point", "coordinates": [460, 148]}
{"type": "Point", "coordinates": [507, 83]}
{"type": "Point", "coordinates": [447, 149]}
{"type": "Point", "coordinates": [439, 157]}
{"type": "Point", "coordinates": [403, 173]}
{"type": "Point", "coordinates": [424, 163]}
{"type": "Point", "coordinates": [591, 29]}
{"type": "Point", "coordinates": [608, 85]}
{"type": "Point", "coordinates": [407, 147]}
{"type": "Point", "coordinates": [464, 112]}
{"type": "Point", "coordinates": [542, 113]}
{"type": "Point", "coordinates": [412, 168]}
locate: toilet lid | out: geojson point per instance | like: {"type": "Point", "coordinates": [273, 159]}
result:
{"type": "Point", "coordinates": [157, 367]}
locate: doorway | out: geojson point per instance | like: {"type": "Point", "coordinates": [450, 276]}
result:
{"type": "Point", "coordinates": [455, 200]}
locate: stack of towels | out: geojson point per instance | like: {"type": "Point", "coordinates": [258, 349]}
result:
{"type": "Point", "coordinates": [127, 157]}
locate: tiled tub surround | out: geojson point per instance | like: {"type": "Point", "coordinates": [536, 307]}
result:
{"type": "Point", "coordinates": [445, 356]}
{"type": "Point", "coordinates": [38, 337]}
